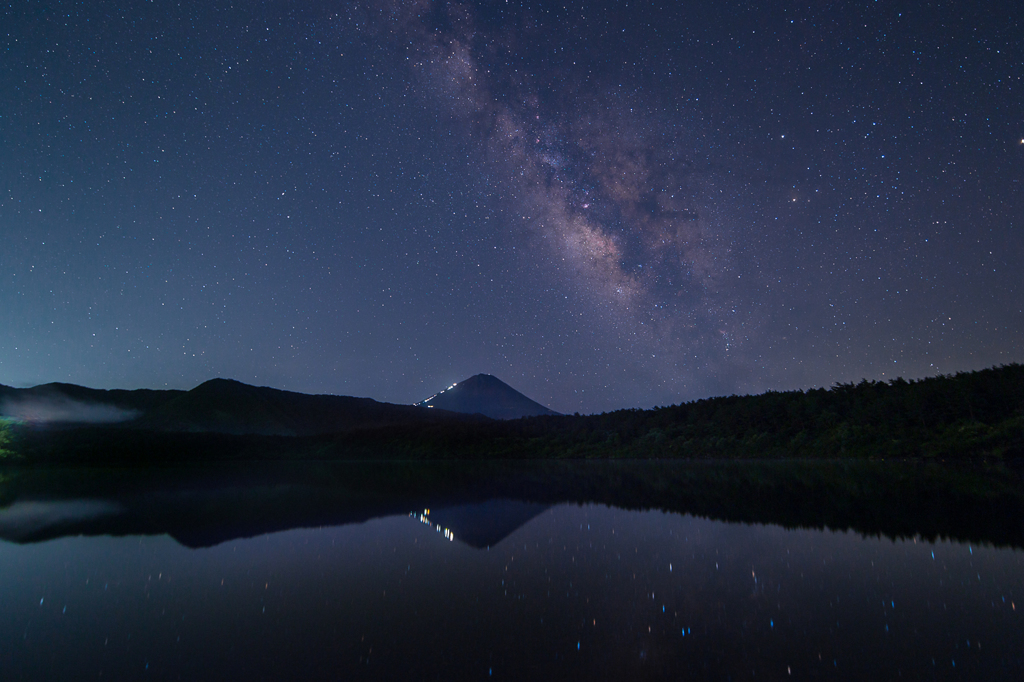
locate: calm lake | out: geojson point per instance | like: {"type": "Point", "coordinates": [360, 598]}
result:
{"type": "Point", "coordinates": [641, 570]}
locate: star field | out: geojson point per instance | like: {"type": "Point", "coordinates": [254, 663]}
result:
{"type": "Point", "coordinates": [604, 204]}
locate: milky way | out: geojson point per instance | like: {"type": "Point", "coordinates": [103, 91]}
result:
{"type": "Point", "coordinates": [611, 191]}
{"type": "Point", "coordinates": [604, 204]}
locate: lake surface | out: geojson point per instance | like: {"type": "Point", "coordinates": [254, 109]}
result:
{"type": "Point", "coordinates": [558, 571]}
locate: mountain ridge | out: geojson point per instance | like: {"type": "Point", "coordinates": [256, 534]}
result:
{"type": "Point", "coordinates": [218, 405]}
{"type": "Point", "coordinates": [975, 415]}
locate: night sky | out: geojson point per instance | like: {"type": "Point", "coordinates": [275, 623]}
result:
{"type": "Point", "coordinates": [617, 204]}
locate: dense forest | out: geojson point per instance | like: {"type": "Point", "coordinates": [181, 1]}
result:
{"type": "Point", "coordinates": [969, 415]}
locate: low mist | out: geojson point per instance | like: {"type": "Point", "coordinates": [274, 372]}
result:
{"type": "Point", "coordinates": [60, 409]}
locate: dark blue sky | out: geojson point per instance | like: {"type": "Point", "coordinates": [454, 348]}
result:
{"type": "Point", "coordinates": [604, 204]}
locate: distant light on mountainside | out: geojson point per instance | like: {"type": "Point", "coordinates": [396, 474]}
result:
{"type": "Point", "coordinates": [487, 395]}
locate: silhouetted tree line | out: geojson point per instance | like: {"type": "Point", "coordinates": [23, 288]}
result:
{"type": "Point", "coordinates": [967, 415]}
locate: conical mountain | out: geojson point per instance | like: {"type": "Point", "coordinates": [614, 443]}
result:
{"type": "Point", "coordinates": [487, 395]}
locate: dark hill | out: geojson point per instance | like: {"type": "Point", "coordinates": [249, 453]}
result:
{"type": "Point", "coordinates": [227, 406]}
{"type": "Point", "coordinates": [487, 395]}
{"type": "Point", "coordinates": [216, 406]}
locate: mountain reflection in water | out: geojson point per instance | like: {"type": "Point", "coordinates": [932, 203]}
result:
{"type": "Point", "coordinates": [204, 506]}
{"type": "Point", "coordinates": [557, 571]}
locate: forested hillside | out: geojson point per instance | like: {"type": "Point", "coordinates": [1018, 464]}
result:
{"type": "Point", "coordinates": [967, 415]}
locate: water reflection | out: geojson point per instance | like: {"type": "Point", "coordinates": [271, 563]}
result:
{"type": "Point", "coordinates": [578, 592]}
{"type": "Point", "coordinates": [526, 589]}
{"type": "Point", "coordinates": [483, 502]}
